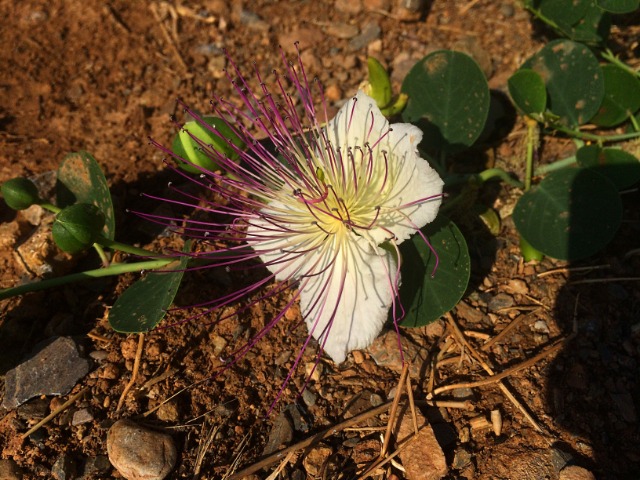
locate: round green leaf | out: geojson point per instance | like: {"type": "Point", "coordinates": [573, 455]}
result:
{"type": "Point", "coordinates": [77, 227]}
{"type": "Point", "coordinates": [621, 167]}
{"type": "Point", "coordinates": [144, 304]}
{"type": "Point", "coordinates": [564, 12]}
{"type": "Point", "coordinates": [573, 79]}
{"type": "Point", "coordinates": [20, 193]}
{"type": "Point", "coordinates": [528, 92]}
{"type": "Point", "coordinates": [571, 214]}
{"type": "Point", "coordinates": [80, 180]}
{"type": "Point", "coordinates": [193, 153]}
{"type": "Point", "coordinates": [448, 99]}
{"type": "Point", "coordinates": [427, 298]}
{"type": "Point", "coordinates": [619, 6]}
{"type": "Point", "coordinates": [621, 96]}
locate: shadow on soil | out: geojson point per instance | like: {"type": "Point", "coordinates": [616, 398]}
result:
{"type": "Point", "coordinates": [594, 386]}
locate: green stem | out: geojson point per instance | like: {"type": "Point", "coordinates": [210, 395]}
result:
{"type": "Point", "coordinates": [103, 256]}
{"type": "Point", "coordinates": [558, 165]}
{"type": "Point", "coordinates": [484, 176]}
{"type": "Point", "coordinates": [49, 206]}
{"type": "Point", "coordinates": [123, 247]}
{"type": "Point", "coordinates": [611, 58]}
{"type": "Point", "coordinates": [593, 137]}
{"type": "Point", "coordinates": [531, 141]}
{"type": "Point", "coordinates": [117, 269]}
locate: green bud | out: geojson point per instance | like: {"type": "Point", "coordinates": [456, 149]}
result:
{"type": "Point", "coordinates": [187, 148]}
{"type": "Point", "coordinates": [529, 253]}
{"type": "Point", "coordinates": [379, 86]}
{"type": "Point", "coordinates": [77, 227]}
{"type": "Point", "coordinates": [20, 193]}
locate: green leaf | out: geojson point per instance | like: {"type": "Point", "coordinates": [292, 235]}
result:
{"type": "Point", "coordinates": [621, 96]}
{"type": "Point", "coordinates": [20, 193]}
{"type": "Point", "coordinates": [579, 20]}
{"type": "Point", "coordinates": [572, 214]}
{"type": "Point", "coordinates": [144, 304]}
{"type": "Point", "coordinates": [80, 180]}
{"type": "Point", "coordinates": [564, 12]}
{"type": "Point", "coordinates": [379, 83]}
{"type": "Point", "coordinates": [77, 227]}
{"type": "Point", "coordinates": [573, 79]}
{"type": "Point", "coordinates": [448, 99]}
{"type": "Point", "coordinates": [215, 133]}
{"type": "Point", "coordinates": [528, 92]}
{"type": "Point", "coordinates": [619, 6]}
{"type": "Point", "coordinates": [424, 298]}
{"type": "Point", "coordinates": [621, 167]}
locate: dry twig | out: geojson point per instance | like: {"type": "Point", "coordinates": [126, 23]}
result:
{"type": "Point", "coordinates": [134, 373]}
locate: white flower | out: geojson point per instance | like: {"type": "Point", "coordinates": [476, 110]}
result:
{"type": "Point", "coordinates": [347, 195]}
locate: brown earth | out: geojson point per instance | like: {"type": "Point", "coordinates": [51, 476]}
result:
{"type": "Point", "coordinates": [104, 76]}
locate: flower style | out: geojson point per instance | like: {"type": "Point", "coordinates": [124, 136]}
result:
{"type": "Point", "coordinates": [325, 209]}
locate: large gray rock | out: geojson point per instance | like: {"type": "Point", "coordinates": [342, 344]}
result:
{"type": "Point", "coordinates": [52, 370]}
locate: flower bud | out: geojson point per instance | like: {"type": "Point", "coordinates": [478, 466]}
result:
{"type": "Point", "coordinates": [77, 227]}
{"type": "Point", "coordinates": [222, 142]}
{"type": "Point", "coordinates": [20, 193]}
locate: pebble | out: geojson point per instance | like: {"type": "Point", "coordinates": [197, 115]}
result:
{"type": "Point", "coordinates": [64, 468]}
{"type": "Point", "coordinates": [499, 301]}
{"type": "Point", "coordinates": [52, 370]}
{"type": "Point", "coordinates": [96, 467]}
{"type": "Point", "coordinates": [81, 416]}
{"type": "Point", "coordinates": [574, 472]}
{"type": "Point", "coordinates": [315, 459]}
{"type": "Point", "coordinates": [370, 32]}
{"type": "Point", "coordinates": [309, 398]}
{"type": "Point", "coordinates": [168, 412]}
{"type": "Point", "coordinates": [423, 458]}
{"type": "Point", "coordinates": [349, 6]}
{"type": "Point", "coordinates": [9, 470]}
{"type": "Point", "coordinates": [281, 433]}
{"type": "Point", "coordinates": [306, 38]}
{"type": "Point", "coordinates": [139, 453]}
{"type": "Point", "coordinates": [333, 93]}
{"type": "Point", "coordinates": [342, 30]}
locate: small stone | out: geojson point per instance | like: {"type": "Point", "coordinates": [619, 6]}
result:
{"type": "Point", "coordinates": [81, 416]}
{"type": "Point", "coordinates": [306, 38]}
{"type": "Point", "coordinates": [99, 355]}
{"type": "Point", "coordinates": [64, 468]}
{"type": "Point", "coordinates": [349, 6]}
{"type": "Point", "coordinates": [517, 286]}
{"type": "Point", "coordinates": [53, 370]}
{"type": "Point", "coordinates": [315, 459]}
{"type": "Point", "coordinates": [463, 393]}
{"type": "Point", "coordinates": [309, 398]}
{"type": "Point", "coordinates": [423, 458]}
{"type": "Point", "coordinates": [574, 472]}
{"type": "Point", "coordinates": [333, 93]}
{"type": "Point", "coordinates": [9, 470]}
{"type": "Point", "coordinates": [96, 467]}
{"type": "Point", "coordinates": [370, 32]}
{"type": "Point", "coordinates": [342, 30]}
{"type": "Point", "coordinates": [541, 326]}
{"type": "Point", "coordinates": [281, 433]}
{"type": "Point", "coordinates": [168, 412]}
{"type": "Point", "coordinates": [313, 371]}
{"type": "Point", "coordinates": [139, 453]}
{"type": "Point", "coordinates": [358, 357]}
{"type": "Point", "coordinates": [109, 371]}
{"type": "Point", "coordinates": [500, 301]}
{"type": "Point", "coordinates": [36, 409]}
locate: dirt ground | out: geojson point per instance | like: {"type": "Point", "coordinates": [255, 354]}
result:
{"type": "Point", "coordinates": [104, 76]}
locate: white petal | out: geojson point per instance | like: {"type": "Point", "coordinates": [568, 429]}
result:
{"type": "Point", "coordinates": [346, 306]}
